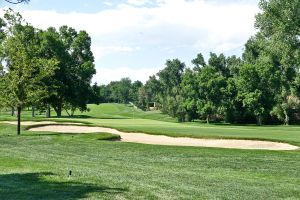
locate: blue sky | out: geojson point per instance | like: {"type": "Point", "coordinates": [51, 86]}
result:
{"type": "Point", "coordinates": [134, 38]}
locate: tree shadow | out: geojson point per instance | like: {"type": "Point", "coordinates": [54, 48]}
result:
{"type": "Point", "coordinates": [36, 186]}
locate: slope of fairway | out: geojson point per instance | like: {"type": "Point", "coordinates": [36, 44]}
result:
{"type": "Point", "coordinates": [121, 111]}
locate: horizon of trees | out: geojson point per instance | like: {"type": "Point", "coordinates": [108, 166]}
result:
{"type": "Point", "coordinates": [263, 86]}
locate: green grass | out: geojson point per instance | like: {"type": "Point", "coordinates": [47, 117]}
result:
{"type": "Point", "coordinates": [101, 111]}
{"type": "Point", "coordinates": [36, 165]}
{"type": "Point", "coordinates": [123, 111]}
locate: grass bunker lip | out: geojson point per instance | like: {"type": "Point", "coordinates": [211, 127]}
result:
{"type": "Point", "coordinates": [166, 140]}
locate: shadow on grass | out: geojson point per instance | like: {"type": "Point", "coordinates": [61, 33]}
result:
{"type": "Point", "coordinates": [35, 186]}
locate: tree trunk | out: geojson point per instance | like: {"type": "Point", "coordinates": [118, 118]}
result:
{"type": "Point", "coordinates": [68, 113]}
{"type": "Point", "coordinates": [259, 120]}
{"type": "Point", "coordinates": [287, 118]}
{"type": "Point", "coordinates": [48, 112]}
{"type": "Point", "coordinates": [58, 110]}
{"type": "Point", "coordinates": [72, 113]}
{"type": "Point", "coordinates": [12, 111]}
{"type": "Point", "coordinates": [207, 119]}
{"type": "Point", "coordinates": [19, 120]}
{"type": "Point", "coordinates": [33, 111]}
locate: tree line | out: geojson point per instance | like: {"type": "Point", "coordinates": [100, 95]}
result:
{"type": "Point", "coordinates": [262, 86]}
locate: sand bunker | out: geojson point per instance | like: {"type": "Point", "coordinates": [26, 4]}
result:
{"type": "Point", "coordinates": [166, 140]}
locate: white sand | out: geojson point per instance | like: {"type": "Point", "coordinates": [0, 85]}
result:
{"type": "Point", "coordinates": [166, 140]}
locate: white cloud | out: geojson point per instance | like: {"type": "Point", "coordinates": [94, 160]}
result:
{"type": "Point", "coordinates": [137, 2]}
{"type": "Point", "coordinates": [107, 3]}
{"type": "Point", "coordinates": [100, 51]}
{"type": "Point", "coordinates": [198, 25]}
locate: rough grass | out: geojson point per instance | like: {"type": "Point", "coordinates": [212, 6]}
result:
{"type": "Point", "coordinates": [36, 165]}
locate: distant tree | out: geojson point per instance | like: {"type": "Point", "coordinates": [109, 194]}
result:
{"type": "Point", "coordinates": [212, 89]}
{"type": "Point", "coordinates": [234, 111]}
{"type": "Point", "coordinates": [114, 94]}
{"type": "Point", "coordinates": [219, 63]}
{"type": "Point", "coordinates": [152, 89]}
{"type": "Point", "coordinates": [233, 64]}
{"type": "Point", "coordinates": [105, 94]}
{"type": "Point", "coordinates": [257, 86]}
{"type": "Point", "coordinates": [94, 97]}
{"type": "Point", "coordinates": [190, 93]}
{"type": "Point", "coordinates": [171, 75]}
{"type": "Point", "coordinates": [170, 79]}
{"type": "Point", "coordinates": [142, 99]}
{"type": "Point", "coordinates": [21, 84]}
{"type": "Point", "coordinates": [120, 91]}
{"type": "Point", "coordinates": [198, 62]}
{"type": "Point", "coordinates": [123, 90]}
{"type": "Point", "coordinates": [134, 91]}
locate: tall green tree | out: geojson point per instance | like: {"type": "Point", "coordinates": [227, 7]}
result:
{"type": "Point", "coordinates": [70, 87]}
{"type": "Point", "coordinates": [279, 29]}
{"type": "Point", "coordinates": [22, 82]}
{"type": "Point", "coordinates": [212, 89]}
{"type": "Point", "coordinates": [134, 91]}
{"type": "Point", "coordinates": [190, 93]}
{"type": "Point", "coordinates": [152, 90]}
{"type": "Point", "coordinates": [170, 79]}
{"type": "Point", "coordinates": [257, 87]}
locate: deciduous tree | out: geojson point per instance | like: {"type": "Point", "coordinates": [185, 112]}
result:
{"type": "Point", "coordinates": [22, 82]}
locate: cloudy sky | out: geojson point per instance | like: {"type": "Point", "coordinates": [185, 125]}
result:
{"type": "Point", "coordinates": [134, 38]}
